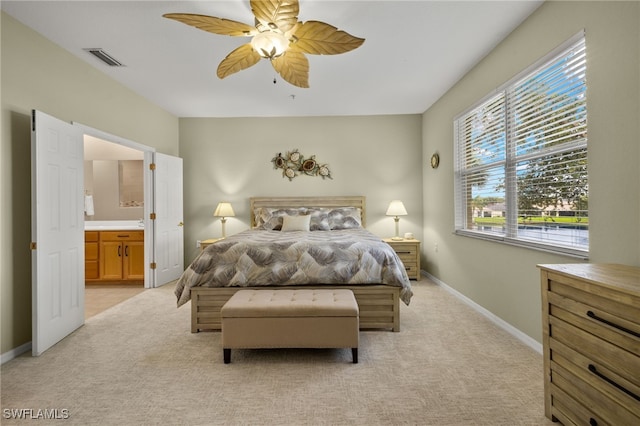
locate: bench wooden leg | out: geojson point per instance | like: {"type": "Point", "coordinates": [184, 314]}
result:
{"type": "Point", "coordinates": [227, 355]}
{"type": "Point", "coordinates": [354, 354]}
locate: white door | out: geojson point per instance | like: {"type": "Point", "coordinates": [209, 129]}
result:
{"type": "Point", "coordinates": [168, 226]}
{"type": "Point", "coordinates": [57, 229]}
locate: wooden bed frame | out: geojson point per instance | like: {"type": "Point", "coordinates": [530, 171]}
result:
{"type": "Point", "coordinates": [379, 305]}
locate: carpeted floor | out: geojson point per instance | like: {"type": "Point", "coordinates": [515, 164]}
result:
{"type": "Point", "coordinates": [138, 364]}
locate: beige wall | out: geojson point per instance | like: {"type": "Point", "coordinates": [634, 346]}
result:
{"type": "Point", "coordinates": [37, 74]}
{"type": "Point", "coordinates": [230, 160]}
{"type": "Point", "coordinates": [504, 279]}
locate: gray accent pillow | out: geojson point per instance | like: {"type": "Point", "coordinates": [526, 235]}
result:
{"type": "Point", "coordinates": [345, 218]}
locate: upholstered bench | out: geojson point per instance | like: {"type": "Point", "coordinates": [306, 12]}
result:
{"type": "Point", "coordinates": [290, 318]}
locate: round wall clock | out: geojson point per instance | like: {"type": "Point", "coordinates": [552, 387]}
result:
{"type": "Point", "coordinates": [435, 160]}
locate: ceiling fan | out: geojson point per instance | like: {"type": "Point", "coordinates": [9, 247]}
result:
{"type": "Point", "coordinates": [278, 36]}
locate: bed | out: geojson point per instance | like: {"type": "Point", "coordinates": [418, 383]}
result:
{"type": "Point", "coordinates": [310, 242]}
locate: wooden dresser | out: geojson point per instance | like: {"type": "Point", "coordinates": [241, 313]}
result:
{"type": "Point", "coordinates": [591, 343]}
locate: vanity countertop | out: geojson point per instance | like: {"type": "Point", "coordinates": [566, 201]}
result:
{"type": "Point", "coordinates": [113, 225]}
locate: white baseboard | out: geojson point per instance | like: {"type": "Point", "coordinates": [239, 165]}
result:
{"type": "Point", "coordinates": [15, 352]}
{"type": "Point", "coordinates": [524, 338]}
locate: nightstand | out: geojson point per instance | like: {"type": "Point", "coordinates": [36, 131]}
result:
{"type": "Point", "coordinates": [409, 253]}
{"type": "Point", "coordinates": [205, 243]}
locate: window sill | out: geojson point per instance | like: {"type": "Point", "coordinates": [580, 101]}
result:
{"type": "Point", "coordinates": [563, 251]}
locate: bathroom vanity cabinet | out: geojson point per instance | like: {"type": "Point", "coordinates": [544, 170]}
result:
{"type": "Point", "coordinates": [114, 256]}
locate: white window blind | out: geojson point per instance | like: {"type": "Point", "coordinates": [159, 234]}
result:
{"type": "Point", "coordinates": [521, 158]}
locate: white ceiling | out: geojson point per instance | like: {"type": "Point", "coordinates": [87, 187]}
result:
{"type": "Point", "coordinates": [414, 52]}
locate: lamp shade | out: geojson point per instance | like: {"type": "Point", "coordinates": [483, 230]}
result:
{"type": "Point", "coordinates": [224, 210]}
{"type": "Point", "coordinates": [396, 208]}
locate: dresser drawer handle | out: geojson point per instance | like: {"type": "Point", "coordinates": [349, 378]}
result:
{"type": "Point", "coordinates": [595, 371]}
{"type": "Point", "coordinates": [591, 314]}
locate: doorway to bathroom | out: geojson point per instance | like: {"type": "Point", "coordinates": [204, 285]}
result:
{"type": "Point", "coordinates": [153, 205]}
{"type": "Point", "coordinates": [113, 211]}
{"type": "Point", "coordinates": [58, 201]}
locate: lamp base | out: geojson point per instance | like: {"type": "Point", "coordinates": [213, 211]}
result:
{"type": "Point", "coordinates": [397, 238]}
{"type": "Point", "coordinates": [224, 221]}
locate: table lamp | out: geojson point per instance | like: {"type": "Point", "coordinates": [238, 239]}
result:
{"type": "Point", "coordinates": [396, 208]}
{"type": "Point", "coordinates": [224, 210]}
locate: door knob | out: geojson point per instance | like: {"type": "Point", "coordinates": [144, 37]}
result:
{"type": "Point", "coordinates": [181, 224]}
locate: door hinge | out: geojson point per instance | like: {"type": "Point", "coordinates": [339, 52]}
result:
{"type": "Point", "coordinates": [152, 216]}
{"type": "Point", "coordinates": [32, 246]}
{"type": "Point", "coordinates": [153, 265]}
{"type": "Point", "coordinates": [33, 120]}
{"type": "Point", "coordinates": [152, 166]}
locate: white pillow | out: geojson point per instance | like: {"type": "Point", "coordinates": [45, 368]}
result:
{"type": "Point", "coordinates": [296, 223]}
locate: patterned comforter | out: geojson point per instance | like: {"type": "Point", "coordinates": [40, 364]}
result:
{"type": "Point", "coordinates": [264, 258]}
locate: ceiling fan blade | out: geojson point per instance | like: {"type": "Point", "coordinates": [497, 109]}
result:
{"type": "Point", "coordinates": [320, 38]}
{"type": "Point", "coordinates": [214, 25]}
{"type": "Point", "coordinates": [241, 58]}
{"type": "Point", "coordinates": [293, 67]}
{"type": "Point", "coordinates": [282, 14]}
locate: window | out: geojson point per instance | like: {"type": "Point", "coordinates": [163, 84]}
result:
{"type": "Point", "coordinates": [521, 158]}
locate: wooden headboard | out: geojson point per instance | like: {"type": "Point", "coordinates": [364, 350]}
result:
{"type": "Point", "coordinates": [329, 201]}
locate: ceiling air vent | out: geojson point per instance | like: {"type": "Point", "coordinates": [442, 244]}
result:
{"type": "Point", "coordinates": [104, 57]}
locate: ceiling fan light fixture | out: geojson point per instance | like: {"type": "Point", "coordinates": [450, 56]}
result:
{"type": "Point", "coordinates": [276, 35]}
{"type": "Point", "coordinates": [270, 44]}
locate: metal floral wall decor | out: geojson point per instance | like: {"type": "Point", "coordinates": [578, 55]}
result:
{"type": "Point", "coordinates": [293, 164]}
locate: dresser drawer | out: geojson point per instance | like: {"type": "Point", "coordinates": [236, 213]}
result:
{"type": "Point", "coordinates": [626, 307]}
{"type": "Point", "coordinates": [601, 324]}
{"type": "Point", "coordinates": [581, 404]}
{"type": "Point", "coordinates": [602, 379]}
{"type": "Point", "coordinates": [591, 343]}
{"type": "Point", "coordinates": [570, 412]}
{"type": "Point", "coordinates": [623, 363]}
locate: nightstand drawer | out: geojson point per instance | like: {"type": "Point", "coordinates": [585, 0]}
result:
{"type": "Point", "coordinates": [412, 270]}
{"type": "Point", "coordinates": [409, 253]}
{"type": "Point", "coordinates": [406, 253]}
